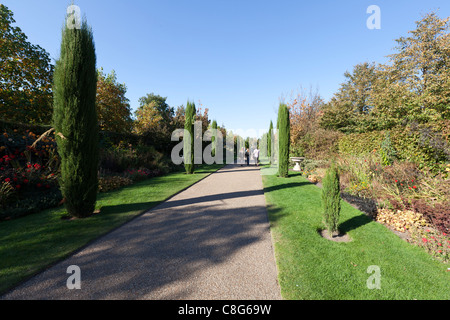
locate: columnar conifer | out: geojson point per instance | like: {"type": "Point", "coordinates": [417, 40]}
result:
{"type": "Point", "coordinates": [75, 120]}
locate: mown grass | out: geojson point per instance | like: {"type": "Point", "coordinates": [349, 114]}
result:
{"type": "Point", "coordinates": [32, 243]}
{"type": "Point", "coordinates": [312, 267]}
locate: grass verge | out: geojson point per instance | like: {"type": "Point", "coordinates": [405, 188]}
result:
{"type": "Point", "coordinates": [312, 267]}
{"type": "Point", "coordinates": [32, 243]}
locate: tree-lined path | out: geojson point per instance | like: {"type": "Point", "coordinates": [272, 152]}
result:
{"type": "Point", "coordinates": [211, 241]}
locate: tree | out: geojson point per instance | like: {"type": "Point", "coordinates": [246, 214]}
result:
{"type": "Point", "coordinates": [213, 138]}
{"type": "Point", "coordinates": [113, 108]}
{"type": "Point", "coordinates": [75, 120]}
{"type": "Point", "coordinates": [349, 109]}
{"type": "Point", "coordinates": [283, 140]}
{"type": "Point", "coordinates": [25, 75]}
{"type": "Point", "coordinates": [188, 149]}
{"type": "Point", "coordinates": [269, 141]}
{"type": "Point", "coordinates": [416, 84]}
{"type": "Point", "coordinates": [154, 121]}
{"type": "Point", "coordinates": [331, 199]}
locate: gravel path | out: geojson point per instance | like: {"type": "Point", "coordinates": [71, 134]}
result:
{"type": "Point", "coordinates": [211, 241]}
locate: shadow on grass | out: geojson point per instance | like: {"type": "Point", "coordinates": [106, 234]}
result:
{"type": "Point", "coordinates": [354, 223]}
{"type": "Point", "coordinates": [286, 186]}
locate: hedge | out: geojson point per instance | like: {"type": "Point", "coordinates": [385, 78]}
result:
{"type": "Point", "coordinates": [426, 145]}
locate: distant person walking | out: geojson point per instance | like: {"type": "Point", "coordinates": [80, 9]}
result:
{"type": "Point", "coordinates": [247, 155]}
{"type": "Point", "coordinates": [256, 156]}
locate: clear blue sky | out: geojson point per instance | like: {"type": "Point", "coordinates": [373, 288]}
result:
{"type": "Point", "coordinates": [238, 57]}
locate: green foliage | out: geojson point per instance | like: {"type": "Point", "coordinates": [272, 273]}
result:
{"type": "Point", "coordinates": [155, 121]}
{"type": "Point", "coordinates": [331, 199]}
{"type": "Point", "coordinates": [25, 75]}
{"type": "Point", "coordinates": [75, 120]}
{"type": "Point", "coordinates": [213, 138]}
{"type": "Point", "coordinates": [284, 140]}
{"type": "Point", "coordinates": [424, 145]}
{"type": "Point", "coordinates": [360, 143]}
{"type": "Point", "coordinates": [349, 109]}
{"type": "Point", "coordinates": [269, 141]}
{"type": "Point", "coordinates": [387, 152]}
{"type": "Point", "coordinates": [188, 148]}
{"type": "Point", "coordinates": [113, 108]}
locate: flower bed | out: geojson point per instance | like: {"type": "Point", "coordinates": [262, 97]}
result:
{"type": "Point", "coordinates": [29, 175]}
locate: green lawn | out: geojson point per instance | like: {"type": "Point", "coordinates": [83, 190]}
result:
{"type": "Point", "coordinates": [31, 243]}
{"type": "Point", "coordinates": [311, 267]}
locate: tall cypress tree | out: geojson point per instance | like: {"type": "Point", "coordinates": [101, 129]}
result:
{"type": "Point", "coordinates": [75, 120]}
{"type": "Point", "coordinates": [269, 142]}
{"type": "Point", "coordinates": [283, 140]}
{"type": "Point", "coordinates": [213, 138]}
{"type": "Point", "coordinates": [188, 148]}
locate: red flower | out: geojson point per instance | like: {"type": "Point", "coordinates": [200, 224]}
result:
{"type": "Point", "coordinates": [424, 240]}
{"type": "Point", "coordinates": [396, 181]}
{"type": "Point", "coordinates": [15, 179]}
{"type": "Point", "coordinates": [18, 186]}
{"type": "Point", "coordinates": [7, 180]}
{"type": "Point", "coordinates": [414, 187]}
{"type": "Point", "coordinates": [39, 185]}
{"type": "Point", "coordinates": [25, 181]}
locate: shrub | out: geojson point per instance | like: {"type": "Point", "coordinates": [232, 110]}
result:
{"type": "Point", "coordinates": [331, 199]}
{"type": "Point", "coordinates": [32, 202]}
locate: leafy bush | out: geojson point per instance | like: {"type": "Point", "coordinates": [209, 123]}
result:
{"type": "Point", "coordinates": [425, 145]}
{"type": "Point", "coordinates": [32, 202]}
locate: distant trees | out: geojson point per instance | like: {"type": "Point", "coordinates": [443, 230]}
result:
{"type": "Point", "coordinates": [413, 88]}
{"type": "Point", "coordinates": [113, 108]}
{"type": "Point", "coordinates": [154, 120]}
{"type": "Point", "coordinates": [349, 110]}
{"type": "Point", "coordinates": [25, 75]}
